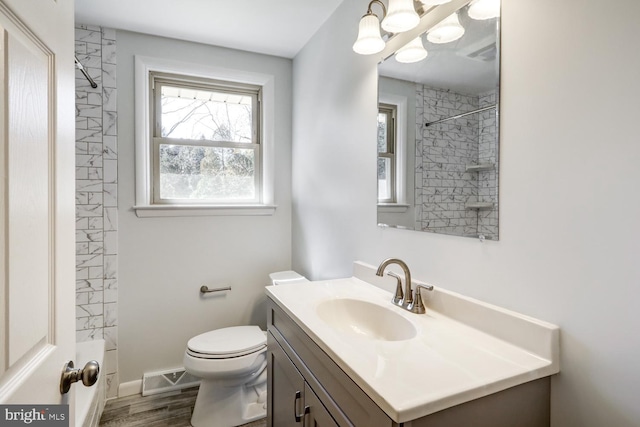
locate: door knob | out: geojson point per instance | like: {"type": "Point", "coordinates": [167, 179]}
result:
{"type": "Point", "coordinates": [88, 375]}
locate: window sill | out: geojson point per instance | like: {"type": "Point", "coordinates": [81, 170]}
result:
{"type": "Point", "coordinates": [147, 211]}
{"type": "Point", "coordinates": [392, 207]}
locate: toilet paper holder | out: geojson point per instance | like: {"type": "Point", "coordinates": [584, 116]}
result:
{"type": "Point", "coordinates": [204, 289]}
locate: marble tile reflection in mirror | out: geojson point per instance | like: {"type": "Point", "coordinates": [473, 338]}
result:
{"type": "Point", "coordinates": [444, 126]}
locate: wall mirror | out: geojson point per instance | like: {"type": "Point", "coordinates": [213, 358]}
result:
{"type": "Point", "coordinates": [438, 139]}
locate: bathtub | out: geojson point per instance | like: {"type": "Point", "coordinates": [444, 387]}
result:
{"type": "Point", "coordinates": [90, 400]}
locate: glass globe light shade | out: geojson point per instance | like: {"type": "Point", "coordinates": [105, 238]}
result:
{"type": "Point", "coordinates": [484, 9]}
{"type": "Point", "coordinates": [369, 39]}
{"type": "Point", "coordinates": [413, 51]}
{"type": "Point", "coordinates": [446, 31]}
{"type": "Point", "coordinates": [401, 16]}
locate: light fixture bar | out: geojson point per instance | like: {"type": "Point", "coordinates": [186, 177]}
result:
{"type": "Point", "coordinates": [372, 2]}
{"type": "Point", "coordinates": [428, 20]}
{"type": "Point", "coordinates": [434, 2]}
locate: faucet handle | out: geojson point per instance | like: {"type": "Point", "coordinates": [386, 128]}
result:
{"type": "Point", "coordinates": [399, 295]}
{"type": "Point", "coordinates": [417, 306]}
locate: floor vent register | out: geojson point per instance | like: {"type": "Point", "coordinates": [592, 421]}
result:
{"type": "Point", "coordinates": [164, 381]}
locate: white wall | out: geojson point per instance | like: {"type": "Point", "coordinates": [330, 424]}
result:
{"type": "Point", "coordinates": [164, 261]}
{"type": "Point", "coordinates": [569, 229]}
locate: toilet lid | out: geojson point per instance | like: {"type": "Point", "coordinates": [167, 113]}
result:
{"type": "Point", "coordinates": [228, 341]}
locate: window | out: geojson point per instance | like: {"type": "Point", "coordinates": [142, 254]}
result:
{"type": "Point", "coordinates": [204, 138]}
{"type": "Point", "coordinates": [386, 153]}
{"type": "Point", "coordinates": [205, 141]}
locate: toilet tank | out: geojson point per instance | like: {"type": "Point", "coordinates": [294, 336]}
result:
{"type": "Point", "coordinates": [282, 277]}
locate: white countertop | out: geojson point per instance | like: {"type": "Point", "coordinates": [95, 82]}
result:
{"type": "Point", "coordinates": [447, 363]}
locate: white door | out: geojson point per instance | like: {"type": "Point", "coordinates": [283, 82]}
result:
{"type": "Point", "coordinates": [37, 230]}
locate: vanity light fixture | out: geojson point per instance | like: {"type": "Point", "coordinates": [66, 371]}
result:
{"type": "Point", "coordinates": [369, 39]}
{"type": "Point", "coordinates": [446, 31]}
{"type": "Point", "coordinates": [413, 51]}
{"type": "Point", "coordinates": [402, 16]}
{"type": "Point", "coordinates": [434, 2]}
{"type": "Point", "coordinates": [484, 9]}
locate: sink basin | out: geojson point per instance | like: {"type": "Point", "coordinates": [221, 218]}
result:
{"type": "Point", "coordinates": [365, 319]}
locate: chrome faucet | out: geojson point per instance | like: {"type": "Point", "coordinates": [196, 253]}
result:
{"type": "Point", "coordinates": [399, 295]}
{"type": "Point", "coordinates": [408, 298]}
{"type": "Point", "coordinates": [405, 300]}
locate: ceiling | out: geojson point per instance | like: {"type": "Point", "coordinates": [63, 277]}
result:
{"type": "Point", "coordinates": [273, 27]}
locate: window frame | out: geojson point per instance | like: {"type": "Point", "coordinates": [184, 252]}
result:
{"type": "Point", "coordinates": [144, 203]}
{"type": "Point", "coordinates": [390, 110]}
{"type": "Point", "coordinates": [156, 81]}
{"type": "Point", "coordinates": [403, 173]}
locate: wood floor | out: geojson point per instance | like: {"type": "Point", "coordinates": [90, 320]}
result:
{"type": "Point", "coordinates": [161, 410]}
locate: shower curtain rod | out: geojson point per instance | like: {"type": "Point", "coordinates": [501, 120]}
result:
{"type": "Point", "coordinates": [479, 110]}
{"type": "Point", "coordinates": [86, 75]}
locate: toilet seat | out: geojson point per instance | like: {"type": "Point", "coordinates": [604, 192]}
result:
{"type": "Point", "coordinates": [235, 341]}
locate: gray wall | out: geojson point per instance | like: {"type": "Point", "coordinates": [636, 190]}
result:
{"type": "Point", "coordinates": [569, 235]}
{"type": "Point", "coordinates": [164, 261]}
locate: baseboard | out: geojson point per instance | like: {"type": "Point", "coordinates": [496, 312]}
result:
{"type": "Point", "coordinates": [130, 388]}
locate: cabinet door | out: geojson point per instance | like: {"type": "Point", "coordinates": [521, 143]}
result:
{"type": "Point", "coordinates": [285, 389]}
{"type": "Point", "coordinates": [316, 415]}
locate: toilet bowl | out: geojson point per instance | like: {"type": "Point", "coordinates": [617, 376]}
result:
{"type": "Point", "coordinates": [232, 363]}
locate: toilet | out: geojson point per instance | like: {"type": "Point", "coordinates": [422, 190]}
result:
{"type": "Point", "coordinates": [232, 363]}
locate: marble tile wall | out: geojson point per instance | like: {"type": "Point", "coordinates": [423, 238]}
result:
{"type": "Point", "coordinates": [443, 152]}
{"type": "Point", "coordinates": [96, 196]}
{"type": "Point", "coordinates": [488, 180]}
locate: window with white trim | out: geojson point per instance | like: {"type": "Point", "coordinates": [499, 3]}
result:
{"type": "Point", "coordinates": [205, 141]}
{"type": "Point", "coordinates": [386, 153]}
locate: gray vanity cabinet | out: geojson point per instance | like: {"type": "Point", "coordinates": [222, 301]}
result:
{"type": "Point", "coordinates": [298, 367]}
{"type": "Point", "coordinates": [292, 402]}
{"type": "Point", "coordinates": [285, 388]}
{"type": "Point", "coordinates": [304, 381]}
{"type": "Point", "coordinates": [317, 415]}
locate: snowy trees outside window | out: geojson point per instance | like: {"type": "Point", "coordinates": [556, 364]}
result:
{"type": "Point", "coordinates": [206, 142]}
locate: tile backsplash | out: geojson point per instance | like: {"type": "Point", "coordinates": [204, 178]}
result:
{"type": "Point", "coordinates": [96, 196]}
